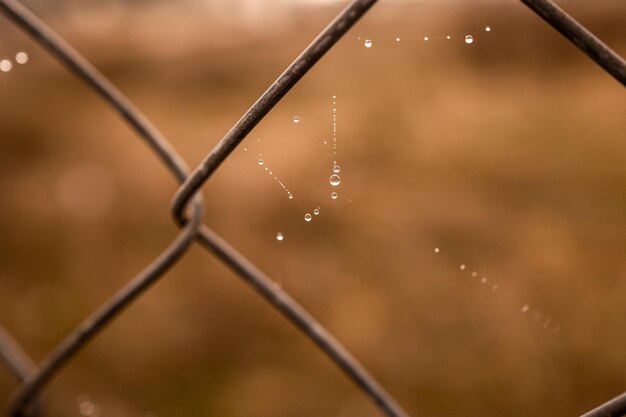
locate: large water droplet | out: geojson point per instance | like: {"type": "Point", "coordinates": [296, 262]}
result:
{"type": "Point", "coordinates": [308, 217]}
{"type": "Point", "coordinates": [334, 195]}
{"type": "Point", "coordinates": [296, 119]}
{"type": "Point", "coordinates": [260, 162]}
{"type": "Point", "coordinates": [368, 43]}
{"type": "Point", "coordinates": [334, 180]}
{"type": "Point", "coordinates": [336, 168]}
{"type": "Point", "coordinates": [469, 39]}
{"type": "Point", "coordinates": [6, 65]}
{"type": "Point", "coordinates": [280, 237]}
{"type": "Point", "coordinates": [21, 57]}
{"type": "Point", "coordinates": [316, 211]}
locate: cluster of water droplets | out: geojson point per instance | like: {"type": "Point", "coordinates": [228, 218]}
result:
{"type": "Point", "coordinates": [468, 39]}
{"type": "Point", "coordinates": [6, 64]}
{"type": "Point", "coordinates": [261, 162]}
{"type": "Point", "coordinates": [541, 318]}
{"type": "Point", "coordinates": [334, 179]}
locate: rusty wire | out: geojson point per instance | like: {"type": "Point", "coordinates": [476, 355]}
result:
{"type": "Point", "coordinates": [187, 206]}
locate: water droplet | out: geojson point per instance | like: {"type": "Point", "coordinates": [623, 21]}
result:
{"type": "Point", "coordinates": [325, 143]}
{"type": "Point", "coordinates": [21, 57]}
{"type": "Point", "coordinates": [308, 217]}
{"type": "Point", "coordinates": [426, 38]}
{"type": "Point", "coordinates": [525, 309]}
{"type": "Point", "coordinates": [5, 65]}
{"type": "Point", "coordinates": [316, 211]}
{"type": "Point", "coordinates": [474, 274]}
{"type": "Point", "coordinates": [280, 237]}
{"type": "Point", "coordinates": [260, 162]}
{"type": "Point", "coordinates": [245, 149]}
{"type": "Point", "coordinates": [367, 43]}
{"type": "Point", "coordinates": [487, 28]}
{"type": "Point", "coordinates": [462, 267]}
{"type": "Point", "coordinates": [334, 195]}
{"type": "Point", "coordinates": [448, 37]}
{"type": "Point", "coordinates": [494, 287]}
{"type": "Point", "coordinates": [436, 250]}
{"type": "Point", "coordinates": [296, 119]}
{"type": "Point", "coordinates": [469, 39]}
{"type": "Point", "coordinates": [290, 196]}
{"type": "Point", "coordinates": [397, 39]}
{"type": "Point", "coordinates": [483, 280]}
{"type": "Point", "coordinates": [334, 180]}
{"type": "Point", "coordinates": [336, 169]}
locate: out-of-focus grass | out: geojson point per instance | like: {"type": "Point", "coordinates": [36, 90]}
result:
{"type": "Point", "coordinates": [507, 154]}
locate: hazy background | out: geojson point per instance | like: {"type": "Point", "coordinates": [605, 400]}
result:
{"type": "Point", "coordinates": [508, 154]}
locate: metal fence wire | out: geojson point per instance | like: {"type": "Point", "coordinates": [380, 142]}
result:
{"type": "Point", "coordinates": [187, 206]}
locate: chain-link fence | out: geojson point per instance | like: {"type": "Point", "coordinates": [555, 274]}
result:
{"type": "Point", "coordinates": [187, 207]}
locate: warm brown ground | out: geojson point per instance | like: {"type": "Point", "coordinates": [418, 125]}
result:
{"type": "Point", "coordinates": [509, 155]}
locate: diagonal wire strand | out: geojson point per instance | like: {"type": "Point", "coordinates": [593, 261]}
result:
{"type": "Point", "coordinates": [580, 36]}
{"type": "Point", "coordinates": [18, 361]}
{"type": "Point", "coordinates": [264, 285]}
{"type": "Point", "coordinates": [612, 408]}
{"type": "Point", "coordinates": [15, 357]}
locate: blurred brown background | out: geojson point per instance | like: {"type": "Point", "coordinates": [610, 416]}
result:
{"type": "Point", "coordinates": [508, 154]}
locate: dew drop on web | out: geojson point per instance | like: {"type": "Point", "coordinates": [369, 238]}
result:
{"type": "Point", "coordinates": [6, 65]}
{"type": "Point", "coordinates": [21, 57]}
